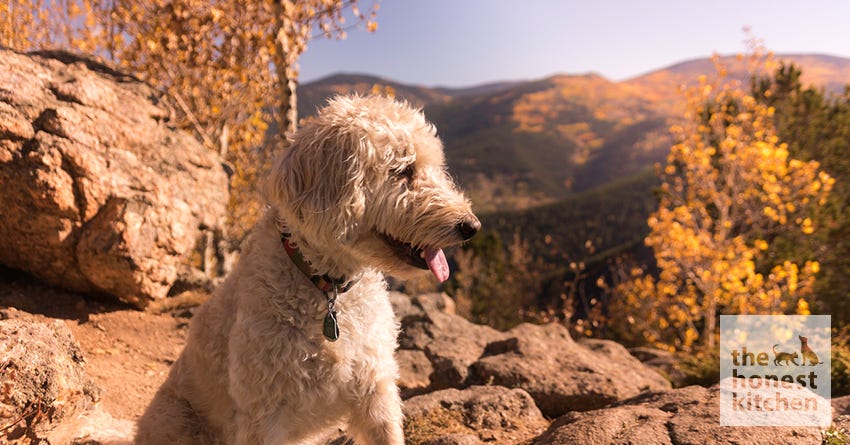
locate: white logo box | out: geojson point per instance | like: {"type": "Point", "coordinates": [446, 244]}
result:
{"type": "Point", "coordinates": [770, 376]}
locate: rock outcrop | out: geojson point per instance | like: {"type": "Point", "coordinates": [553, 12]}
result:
{"type": "Point", "coordinates": [475, 415]}
{"type": "Point", "coordinates": [682, 416]}
{"type": "Point", "coordinates": [664, 362]}
{"type": "Point", "coordinates": [450, 343]}
{"type": "Point", "coordinates": [563, 375]}
{"type": "Point", "coordinates": [43, 379]}
{"type": "Point", "coordinates": [99, 194]}
{"type": "Point", "coordinates": [45, 394]}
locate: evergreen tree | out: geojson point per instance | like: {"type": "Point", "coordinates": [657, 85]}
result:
{"type": "Point", "coordinates": [817, 127]}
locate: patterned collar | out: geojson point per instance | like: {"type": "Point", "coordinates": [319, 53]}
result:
{"type": "Point", "coordinates": [324, 283]}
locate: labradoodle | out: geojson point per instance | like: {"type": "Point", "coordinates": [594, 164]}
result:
{"type": "Point", "coordinates": [299, 339]}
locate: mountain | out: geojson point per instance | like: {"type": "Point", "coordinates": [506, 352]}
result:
{"type": "Point", "coordinates": [313, 95]}
{"type": "Point", "coordinates": [829, 72]}
{"type": "Point", "coordinates": [546, 139]}
{"type": "Point", "coordinates": [520, 144]}
{"type": "Point", "coordinates": [515, 145]}
{"type": "Point", "coordinates": [477, 89]}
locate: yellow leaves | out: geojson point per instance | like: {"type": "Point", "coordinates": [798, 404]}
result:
{"type": "Point", "coordinates": [216, 14]}
{"type": "Point", "coordinates": [802, 307]}
{"type": "Point", "coordinates": [371, 26]}
{"type": "Point", "coordinates": [729, 188]}
{"type": "Point", "coordinates": [812, 267]}
{"type": "Point", "coordinates": [384, 90]}
{"type": "Point", "coordinates": [806, 226]}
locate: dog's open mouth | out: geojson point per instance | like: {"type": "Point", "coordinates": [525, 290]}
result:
{"type": "Point", "coordinates": [423, 258]}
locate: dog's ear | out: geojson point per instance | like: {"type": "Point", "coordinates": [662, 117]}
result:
{"type": "Point", "coordinates": [318, 182]}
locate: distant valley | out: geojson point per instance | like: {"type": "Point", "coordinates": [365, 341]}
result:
{"type": "Point", "coordinates": [516, 146]}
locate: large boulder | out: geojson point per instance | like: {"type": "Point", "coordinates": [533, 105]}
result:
{"type": "Point", "coordinates": [475, 415]}
{"type": "Point", "coordinates": [561, 374]}
{"type": "Point", "coordinates": [100, 195]}
{"type": "Point", "coordinates": [686, 416]}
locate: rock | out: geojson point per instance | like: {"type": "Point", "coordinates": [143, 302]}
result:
{"type": "Point", "coordinates": [478, 414]}
{"type": "Point", "coordinates": [414, 372]}
{"type": "Point", "coordinates": [435, 302]}
{"type": "Point", "coordinates": [841, 414]}
{"type": "Point", "coordinates": [42, 379]}
{"type": "Point", "coordinates": [663, 362]}
{"type": "Point", "coordinates": [841, 405]}
{"type": "Point", "coordinates": [403, 307]}
{"type": "Point", "coordinates": [94, 427]}
{"type": "Point", "coordinates": [682, 416]}
{"type": "Point", "coordinates": [99, 194]}
{"type": "Point", "coordinates": [450, 342]}
{"type": "Point", "coordinates": [645, 354]}
{"type": "Point", "coordinates": [559, 373]}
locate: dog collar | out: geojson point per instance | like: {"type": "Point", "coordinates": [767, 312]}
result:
{"type": "Point", "coordinates": [331, 287]}
{"type": "Point", "coordinates": [324, 283]}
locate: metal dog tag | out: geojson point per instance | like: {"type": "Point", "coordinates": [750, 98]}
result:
{"type": "Point", "coordinates": [330, 327]}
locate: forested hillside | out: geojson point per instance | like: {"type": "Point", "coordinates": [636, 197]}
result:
{"type": "Point", "coordinates": [515, 145]}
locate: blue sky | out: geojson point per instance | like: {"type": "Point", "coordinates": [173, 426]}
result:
{"type": "Point", "coordinates": [468, 42]}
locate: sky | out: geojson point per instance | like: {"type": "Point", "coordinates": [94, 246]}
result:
{"type": "Point", "coordinates": [457, 43]}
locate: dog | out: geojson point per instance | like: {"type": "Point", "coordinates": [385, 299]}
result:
{"type": "Point", "coordinates": [808, 353]}
{"type": "Point", "coordinates": [299, 339]}
{"type": "Point", "coordinates": [780, 356]}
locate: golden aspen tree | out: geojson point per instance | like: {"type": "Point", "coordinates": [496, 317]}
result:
{"type": "Point", "coordinates": [729, 188]}
{"type": "Point", "coordinates": [229, 67]}
{"type": "Point", "coordinates": [40, 24]}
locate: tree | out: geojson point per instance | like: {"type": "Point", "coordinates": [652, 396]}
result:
{"type": "Point", "coordinates": [40, 24]}
{"type": "Point", "coordinates": [817, 126]}
{"type": "Point", "coordinates": [729, 190]}
{"type": "Point", "coordinates": [497, 284]}
{"type": "Point", "coordinates": [229, 66]}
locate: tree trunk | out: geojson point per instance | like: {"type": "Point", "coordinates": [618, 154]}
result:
{"type": "Point", "coordinates": [287, 84]}
{"type": "Point", "coordinates": [708, 332]}
{"type": "Point", "coordinates": [288, 107]}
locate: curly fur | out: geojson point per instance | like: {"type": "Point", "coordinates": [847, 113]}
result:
{"type": "Point", "coordinates": [256, 368]}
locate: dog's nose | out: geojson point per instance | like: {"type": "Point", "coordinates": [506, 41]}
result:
{"type": "Point", "coordinates": [469, 228]}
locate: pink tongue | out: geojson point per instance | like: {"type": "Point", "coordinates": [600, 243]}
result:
{"type": "Point", "coordinates": [436, 260]}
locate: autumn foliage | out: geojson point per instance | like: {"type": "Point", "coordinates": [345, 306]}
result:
{"type": "Point", "coordinates": [228, 67]}
{"type": "Point", "coordinates": [730, 190]}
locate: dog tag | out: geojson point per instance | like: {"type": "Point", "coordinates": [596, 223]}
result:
{"type": "Point", "coordinates": [330, 327]}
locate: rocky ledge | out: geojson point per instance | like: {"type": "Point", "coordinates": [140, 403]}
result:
{"type": "Point", "coordinates": [100, 195]}
{"type": "Point", "coordinates": [462, 383]}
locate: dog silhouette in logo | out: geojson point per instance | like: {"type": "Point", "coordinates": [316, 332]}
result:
{"type": "Point", "coordinates": [808, 353]}
{"type": "Point", "coordinates": [787, 357]}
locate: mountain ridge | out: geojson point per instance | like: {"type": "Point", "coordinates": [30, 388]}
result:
{"type": "Point", "coordinates": [519, 144]}
{"type": "Point", "coordinates": [843, 61]}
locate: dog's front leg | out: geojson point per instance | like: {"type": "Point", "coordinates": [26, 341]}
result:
{"type": "Point", "coordinates": [378, 419]}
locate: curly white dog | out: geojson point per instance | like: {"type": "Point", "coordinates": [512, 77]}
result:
{"type": "Point", "coordinates": [300, 337]}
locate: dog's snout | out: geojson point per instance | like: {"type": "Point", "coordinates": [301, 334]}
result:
{"type": "Point", "coordinates": [469, 228]}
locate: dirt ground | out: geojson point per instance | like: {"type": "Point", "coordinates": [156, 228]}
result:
{"type": "Point", "coordinates": [128, 351]}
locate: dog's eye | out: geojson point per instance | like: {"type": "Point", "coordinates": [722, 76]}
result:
{"type": "Point", "coordinates": [406, 173]}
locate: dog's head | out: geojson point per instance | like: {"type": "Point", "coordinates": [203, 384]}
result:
{"type": "Point", "coordinates": [366, 180]}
